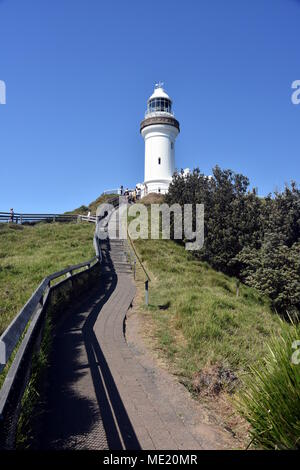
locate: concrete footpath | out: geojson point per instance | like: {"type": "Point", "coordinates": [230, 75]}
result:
{"type": "Point", "coordinates": [100, 393]}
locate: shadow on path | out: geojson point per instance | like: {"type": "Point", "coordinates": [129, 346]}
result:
{"type": "Point", "coordinates": [82, 407]}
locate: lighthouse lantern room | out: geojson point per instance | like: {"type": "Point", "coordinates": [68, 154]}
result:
{"type": "Point", "coordinates": [159, 130]}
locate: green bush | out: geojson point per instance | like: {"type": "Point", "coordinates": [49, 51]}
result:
{"type": "Point", "coordinates": [256, 239]}
{"type": "Point", "coordinates": [270, 397]}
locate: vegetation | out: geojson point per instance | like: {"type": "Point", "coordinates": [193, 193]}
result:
{"type": "Point", "coordinates": [256, 239]}
{"type": "Point", "coordinates": [204, 318]}
{"type": "Point", "coordinates": [92, 207]}
{"type": "Point", "coordinates": [199, 319]}
{"type": "Point", "coordinates": [211, 327]}
{"type": "Point", "coordinates": [152, 198]}
{"type": "Point", "coordinates": [270, 398]}
{"type": "Point", "coordinates": [31, 397]}
{"type": "Point", "coordinates": [30, 253]}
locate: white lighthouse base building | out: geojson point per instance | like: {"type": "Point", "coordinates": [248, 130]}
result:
{"type": "Point", "coordinates": [159, 130]}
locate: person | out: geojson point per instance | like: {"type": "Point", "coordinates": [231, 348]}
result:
{"type": "Point", "coordinates": [11, 218]}
{"type": "Point", "coordinates": [134, 195]}
{"type": "Point", "coordinates": [121, 190]}
{"type": "Point", "coordinates": [126, 193]}
{"type": "Point", "coordinates": [138, 192]}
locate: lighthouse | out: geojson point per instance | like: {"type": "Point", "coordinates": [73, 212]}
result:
{"type": "Point", "coordinates": [159, 129]}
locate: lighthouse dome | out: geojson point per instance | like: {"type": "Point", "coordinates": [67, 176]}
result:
{"type": "Point", "coordinates": [159, 92]}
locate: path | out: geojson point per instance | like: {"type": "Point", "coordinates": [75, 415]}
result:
{"type": "Point", "coordinates": [101, 393]}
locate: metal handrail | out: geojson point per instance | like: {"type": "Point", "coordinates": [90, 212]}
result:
{"type": "Point", "coordinates": [32, 317]}
{"type": "Point", "coordinates": [138, 258]}
{"type": "Point", "coordinates": [27, 214]}
{"type": "Point", "coordinates": [148, 279]}
{"type": "Point", "coordinates": [19, 373]}
{"type": "Point", "coordinates": [11, 336]}
{"type": "Point", "coordinates": [21, 218]}
{"type": "Point", "coordinates": [157, 112]}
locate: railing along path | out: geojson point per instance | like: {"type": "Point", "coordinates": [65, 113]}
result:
{"type": "Point", "coordinates": [22, 338]}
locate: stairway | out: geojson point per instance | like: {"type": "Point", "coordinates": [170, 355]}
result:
{"type": "Point", "coordinates": [114, 250]}
{"type": "Point", "coordinates": [118, 256]}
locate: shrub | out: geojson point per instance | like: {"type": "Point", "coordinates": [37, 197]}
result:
{"type": "Point", "coordinates": [256, 239]}
{"type": "Point", "coordinates": [270, 397]}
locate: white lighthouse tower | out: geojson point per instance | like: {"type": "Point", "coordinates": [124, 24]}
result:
{"type": "Point", "coordinates": [159, 130]}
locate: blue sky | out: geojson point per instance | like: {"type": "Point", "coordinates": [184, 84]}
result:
{"type": "Point", "coordinates": [79, 72]}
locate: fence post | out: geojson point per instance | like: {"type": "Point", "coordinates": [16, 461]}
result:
{"type": "Point", "coordinates": [41, 301]}
{"type": "Point", "coordinates": [147, 292]}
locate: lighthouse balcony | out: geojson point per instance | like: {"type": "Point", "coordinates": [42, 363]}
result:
{"type": "Point", "coordinates": [149, 114]}
{"type": "Point", "coordinates": [160, 119]}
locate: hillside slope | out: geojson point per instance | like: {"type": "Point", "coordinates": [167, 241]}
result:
{"type": "Point", "coordinates": [197, 317]}
{"type": "Point", "coordinates": [29, 253]}
{"type": "Point", "coordinates": [197, 327]}
{"type": "Point", "coordinates": [92, 207]}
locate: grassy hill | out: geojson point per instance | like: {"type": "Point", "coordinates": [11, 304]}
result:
{"type": "Point", "coordinates": [201, 330]}
{"type": "Point", "coordinates": [199, 320]}
{"type": "Point", "coordinates": [92, 207]}
{"type": "Point", "coordinates": [198, 326]}
{"type": "Point", "coordinates": [29, 253]}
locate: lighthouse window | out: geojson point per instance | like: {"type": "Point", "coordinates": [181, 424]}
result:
{"type": "Point", "coordinates": [172, 145]}
{"type": "Point", "coordinates": [160, 104]}
{"type": "Point", "coordinates": [159, 161]}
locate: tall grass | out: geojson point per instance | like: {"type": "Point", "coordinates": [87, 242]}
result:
{"type": "Point", "coordinates": [270, 397]}
{"type": "Point", "coordinates": [198, 318]}
{"type": "Point", "coordinates": [31, 397]}
{"type": "Point", "coordinates": [199, 321]}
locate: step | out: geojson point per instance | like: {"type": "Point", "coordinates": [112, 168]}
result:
{"type": "Point", "coordinates": [112, 254]}
{"type": "Point", "coordinates": [121, 263]}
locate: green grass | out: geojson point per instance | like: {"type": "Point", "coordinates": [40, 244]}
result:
{"type": "Point", "coordinates": [30, 253]}
{"type": "Point", "coordinates": [200, 325]}
{"type": "Point", "coordinates": [199, 320]}
{"type": "Point", "coordinates": [31, 397]}
{"type": "Point", "coordinates": [270, 398]}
